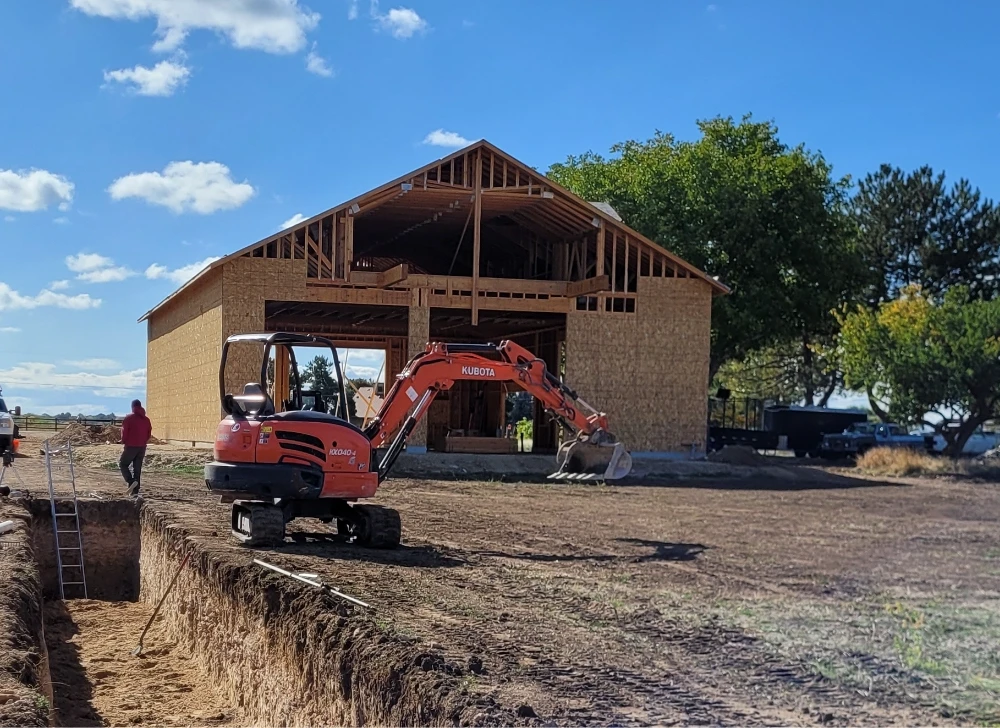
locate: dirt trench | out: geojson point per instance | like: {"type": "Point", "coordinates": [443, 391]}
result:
{"type": "Point", "coordinates": [233, 644]}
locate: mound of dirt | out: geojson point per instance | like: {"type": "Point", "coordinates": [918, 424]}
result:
{"type": "Point", "coordinates": [737, 455]}
{"type": "Point", "coordinates": [78, 434]}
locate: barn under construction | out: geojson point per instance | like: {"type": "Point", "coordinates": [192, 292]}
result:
{"type": "Point", "coordinates": [472, 247]}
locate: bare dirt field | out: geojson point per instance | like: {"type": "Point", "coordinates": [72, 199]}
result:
{"type": "Point", "coordinates": [794, 596]}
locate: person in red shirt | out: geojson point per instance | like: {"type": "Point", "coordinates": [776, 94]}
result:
{"type": "Point", "coordinates": [136, 431]}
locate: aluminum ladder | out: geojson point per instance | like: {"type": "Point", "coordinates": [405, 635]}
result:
{"type": "Point", "coordinates": [66, 526]}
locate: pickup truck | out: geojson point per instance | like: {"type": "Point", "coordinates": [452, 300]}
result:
{"type": "Point", "coordinates": [863, 436]}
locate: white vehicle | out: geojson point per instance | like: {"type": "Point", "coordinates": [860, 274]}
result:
{"type": "Point", "coordinates": [8, 430]}
{"type": "Point", "coordinates": [979, 442]}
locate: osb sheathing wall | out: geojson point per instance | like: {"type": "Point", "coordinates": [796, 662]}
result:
{"type": "Point", "coordinates": [247, 284]}
{"type": "Point", "coordinates": [649, 369]}
{"type": "Point", "coordinates": [182, 360]}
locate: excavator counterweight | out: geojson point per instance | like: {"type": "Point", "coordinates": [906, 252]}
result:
{"type": "Point", "coordinates": [277, 463]}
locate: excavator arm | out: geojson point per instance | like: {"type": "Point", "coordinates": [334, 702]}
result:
{"type": "Point", "coordinates": [594, 453]}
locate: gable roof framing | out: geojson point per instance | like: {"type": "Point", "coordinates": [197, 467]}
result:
{"type": "Point", "coordinates": [567, 213]}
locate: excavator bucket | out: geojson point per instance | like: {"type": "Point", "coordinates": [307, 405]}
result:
{"type": "Point", "coordinates": [597, 457]}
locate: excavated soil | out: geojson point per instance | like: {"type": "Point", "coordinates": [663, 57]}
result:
{"type": "Point", "coordinates": [799, 598]}
{"type": "Point", "coordinates": [98, 682]}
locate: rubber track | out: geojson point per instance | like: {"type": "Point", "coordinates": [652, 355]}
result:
{"type": "Point", "coordinates": [267, 526]}
{"type": "Point", "coordinates": [384, 528]}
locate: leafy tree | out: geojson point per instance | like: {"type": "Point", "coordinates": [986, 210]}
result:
{"type": "Point", "coordinates": [924, 354]}
{"type": "Point", "coordinates": [786, 373]}
{"type": "Point", "coordinates": [913, 230]}
{"type": "Point", "coordinates": [771, 221]}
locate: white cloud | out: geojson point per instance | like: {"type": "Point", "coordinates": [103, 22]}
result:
{"type": "Point", "coordinates": [107, 275]}
{"type": "Point", "coordinates": [33, 190]}
{"type": "Point", "coordinates": [163, 79]}
{"type": "Point", "coordinates": [97, 363]}
{"type": "Point", "coordinates": [402, 23]}
{"type": "Point", "coordinates": [315, 63]}
{"type": "Point", "coordinates": [202, 187]}
{"type": "Point", "coordinates": [39, 375]}
{"type": "Point", "coordinates": [712, 8]}
{"type": "Point", "coordinates": [9, 218]}
{"type": "Point", "coordinates": [274, 26]}
{"type": "Point", "coordinates": [61, 220]}
{"type": "Point", "coordinates": [58, 285]}
{"type": "Point", "coordinates": [292, 221]}
{"type": "Point", "coordinates": [180, 275]}
{"type": "Point", "coordinates": [9, 330]}
{"type": "Point", "coordinates": [84, 262]}
{"type": "Point", "coordinates": [442, 138]}
{"type": "Point", "coordinates": [94, 268]}
{"type": "Point", "coordinates": [352, 10]}
{"type": "Point", "coordinates": [11, 300]}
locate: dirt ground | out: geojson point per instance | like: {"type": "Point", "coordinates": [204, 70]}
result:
{"type": "Point", "coordinates": [793, 597]}
{"type": "Point", "coordinates": [97, 682]}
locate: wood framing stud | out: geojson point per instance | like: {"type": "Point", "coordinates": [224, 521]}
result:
{"type": "Point", "coordinates": [476, 232]}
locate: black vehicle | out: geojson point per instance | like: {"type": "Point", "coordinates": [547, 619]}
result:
{"type": "Point", "coordinates": [776, 427]}
{"type": "Point", "coordinates": [863, 436]}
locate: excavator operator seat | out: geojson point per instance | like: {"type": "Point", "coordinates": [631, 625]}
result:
{"type": "Point", "coordinates": [255, 401]}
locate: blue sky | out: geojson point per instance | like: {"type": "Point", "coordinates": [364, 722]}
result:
{"type": "Point", "coordinates": [140, 138]}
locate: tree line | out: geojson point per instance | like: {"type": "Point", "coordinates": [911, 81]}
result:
{"type": "Point", "coordinates": [887, 285]}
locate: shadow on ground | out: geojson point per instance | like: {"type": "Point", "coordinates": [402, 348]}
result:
{"type": "Point", "coordinates": [769, 478]}
{"type": "Point", "coordinates": [661, 551]}
{"type": "Point", "coordinates": [71, 688]}
{"type": "Point", "coordinates": [332, 546]}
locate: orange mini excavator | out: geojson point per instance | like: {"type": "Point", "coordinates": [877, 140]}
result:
{"type": "Point", "coordinates": [279, 463]}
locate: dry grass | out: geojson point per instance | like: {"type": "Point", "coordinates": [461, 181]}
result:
{"type": "Point", "coordinates": [904, 462]}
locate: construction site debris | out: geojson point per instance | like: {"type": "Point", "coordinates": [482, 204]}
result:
{"type": "Point", "coordinates": [310, 582]}
{"type": "Point", "coordinates": [737, 455]}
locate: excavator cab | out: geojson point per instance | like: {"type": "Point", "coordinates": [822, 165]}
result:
{"type": "Point", "coordinates": [279, 388]}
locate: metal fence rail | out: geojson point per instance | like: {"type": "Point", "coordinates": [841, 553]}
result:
{"type": "Point", "coordinates": [53, 423]}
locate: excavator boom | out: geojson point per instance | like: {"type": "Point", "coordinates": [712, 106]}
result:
{"type": "Point", "coordinates": [594, 453]}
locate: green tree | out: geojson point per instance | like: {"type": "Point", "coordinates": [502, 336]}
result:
{"type": "Point", "coordinates": [914, 230]}
{"type": "Point", "coordinates": [927, 355]}
{"type": "Point", "coordinates": [317, 376]}
{"type": "Point", "coordinates": [771, 221]}
{"type": "Point", "coordinates": [785, 373]}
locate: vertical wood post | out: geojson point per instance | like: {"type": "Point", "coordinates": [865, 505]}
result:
{"type": "Point", "coordinates": [281, 382]}
{"type": "Point", "coordinates": [348, 246]}
{"type": "Point", "coordinates": [476, 237]}
{"type": "Point", "coordinates": [600, 249]}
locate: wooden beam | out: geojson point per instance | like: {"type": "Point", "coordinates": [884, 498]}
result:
{"type": "Point", "coordinates": [600, 248]}
{"type": "Point", "coordinates": [320, 258]}
{"type": "Point", "coordinates": [476, 231]}
{"type": "Point", "coordinates": [281, 383]}
{"type": "Point", "coordinates": [348, 247]}
{"type": "Point", "coordinates": [625, 265]}
{"type": "Point", "coordinates": [614, 259]}
{"type": "Point", "coordinates": [393, 275]}
{"type": "Point", "coordinates": [588, 286]}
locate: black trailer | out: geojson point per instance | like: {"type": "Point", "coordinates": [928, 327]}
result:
{"type": "Point", "coordinates": [801, 429]}
{"type": "Point", "coordinates": [752, 423]}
